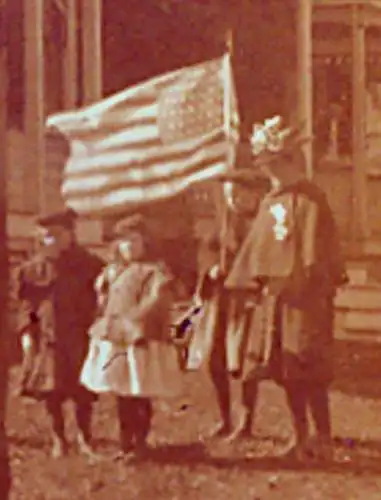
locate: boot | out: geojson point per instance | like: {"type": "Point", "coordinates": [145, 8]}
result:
{"type": "Point", "coordinates": [127, 416]}
{"type": "Point", "coordinates": [126, 446]}
{"type": "Point", "coordinates": [143, 423]}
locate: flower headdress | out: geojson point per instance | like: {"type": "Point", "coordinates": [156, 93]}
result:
{"type": "Point", "coordinates": [269, 142]}
{"type": "Point", "coordinates": [271, 139]}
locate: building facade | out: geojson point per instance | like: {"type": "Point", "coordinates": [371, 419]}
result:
{"type": "Point", "coordinates": [346, 60]}
{"type": "Point", "coordinates": [321, 67]}
{"type": "Point", "coordinates": [55, 51]}
{"type": "Point", "coordinates": [48, 46]}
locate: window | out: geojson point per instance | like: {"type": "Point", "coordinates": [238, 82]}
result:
{"type": "Point", "coordinates": [54, 46]}
{"type": "Point", "coordinates": [332, 90]}
{"type": "Point", "coordinates": [373, 96]}
{"type": "Point", "coordinates": [332, 107]}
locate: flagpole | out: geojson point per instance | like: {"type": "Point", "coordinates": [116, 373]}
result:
{"type": "Point", "coordinates": [4, 268]}
{"type": "Point", "coordinates": [304, 72]}
{"type": "Point", "coordinates": [224, 230]}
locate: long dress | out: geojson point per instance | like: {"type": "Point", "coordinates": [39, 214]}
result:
{"type": "Point", "coordinates": [131, 351]}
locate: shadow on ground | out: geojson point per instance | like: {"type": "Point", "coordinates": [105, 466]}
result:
{"type": "Point", "coordinates": [357, 458]}
{"type": "Point", "coordinates": [358, 368]}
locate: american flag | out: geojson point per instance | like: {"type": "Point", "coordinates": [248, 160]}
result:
{"type": "Point", "coordinates": [150, 141]}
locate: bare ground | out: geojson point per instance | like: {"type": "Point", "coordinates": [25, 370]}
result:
{"type": "Point", "coordinates": [182, 466]}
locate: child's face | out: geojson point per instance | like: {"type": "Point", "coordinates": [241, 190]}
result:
{"type": "Point", "coordinates": [46, 243]}
{"type": "Point", "coordinates": [131, 247]}
{"type": "Point", "coordinates": [57, 239]}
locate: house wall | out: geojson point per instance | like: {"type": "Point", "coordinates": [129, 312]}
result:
{"type": "Point", "coordinates": [196, 34]}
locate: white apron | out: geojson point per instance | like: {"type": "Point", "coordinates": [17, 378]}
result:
{"type": "Point", "coordinates": [150, 371]}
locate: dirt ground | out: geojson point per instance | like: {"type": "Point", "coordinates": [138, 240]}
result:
{"type": "Point", "coordinates": [183, 466]}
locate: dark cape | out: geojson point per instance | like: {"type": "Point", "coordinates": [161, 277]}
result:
{"type": "Point", "coordinates": [292, 250]}
{"type": "Point", "coordinates": [57, 306]}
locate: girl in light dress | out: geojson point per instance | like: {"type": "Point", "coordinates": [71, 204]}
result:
{"type": "Point", "coordinates": [131, 353]}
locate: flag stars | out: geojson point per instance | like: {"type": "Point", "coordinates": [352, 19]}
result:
{"type": "Point", "coordinates": [193, 108]}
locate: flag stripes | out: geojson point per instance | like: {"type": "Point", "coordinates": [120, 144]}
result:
{"type": "Point", "coordinates": [147, 143]}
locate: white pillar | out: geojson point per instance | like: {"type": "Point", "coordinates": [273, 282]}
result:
{"type": "Point", "coordinates": [92, 53]}
{"type": "Point", "coordinates": [359, 177]}
{"type": "Point", "coordinates": [305, 76]}
{"type": "Point", "coordinates": [92, 50]}
{"type": "Point", "coordinates": [71, 55]}
{"type": "Point", "coordinates": [3, 175]}
{"type": "Point", "coordinates": [3, 142]}
{"type": "Point", "coordinates": [34, 96]}
{"type": "Point", "coordinates": [4, 262]}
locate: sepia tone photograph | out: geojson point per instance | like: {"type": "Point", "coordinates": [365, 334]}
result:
{"type": "Point", "coordinates": [190, 249]}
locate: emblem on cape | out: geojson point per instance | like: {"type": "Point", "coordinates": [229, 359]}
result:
{"type": "Point", "coordinates": [280, 229]}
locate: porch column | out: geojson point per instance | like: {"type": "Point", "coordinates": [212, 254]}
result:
{"type": "Point", "coordinates": [4, 283]}
{"type": "Point", "coordinates": [5, 473]}
{"type": "Point", "coordinates": [91, 20]}
{"type": "Point", "coordinates": [71, 55]}
{"type": "Point", "coordinates": [34, 97]}
{"type": "Point", "coordinates": [360, 229]}
{"type": "Point", "coordinates": [90, 232]}
{"type": "Point", "coordinates": [305, 77]}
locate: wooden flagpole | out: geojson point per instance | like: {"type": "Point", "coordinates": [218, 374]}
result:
{"type": "Point", "coordinates": [304, 72]}
{"type": "Point", "coordinates": [5, 478]}
{"type": "Point", "coordinates": [224, 231]}
{"type": "Point", "coordinates": [34, 68]}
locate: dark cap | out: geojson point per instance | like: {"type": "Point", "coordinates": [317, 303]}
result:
{"type": "Point", "coordinates": [134, 223]}
{"type": "Point", "coordinates": [65, 219]}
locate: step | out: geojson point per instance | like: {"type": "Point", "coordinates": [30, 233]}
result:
{"type": "Point", "coordinates": [357, 275]}
{"type": "Point", "coordinates": [363, 337]}
{"type": "Point", "coordinates": [366, 297]}
{"type": "Point", "coordinates": [362, 321]}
